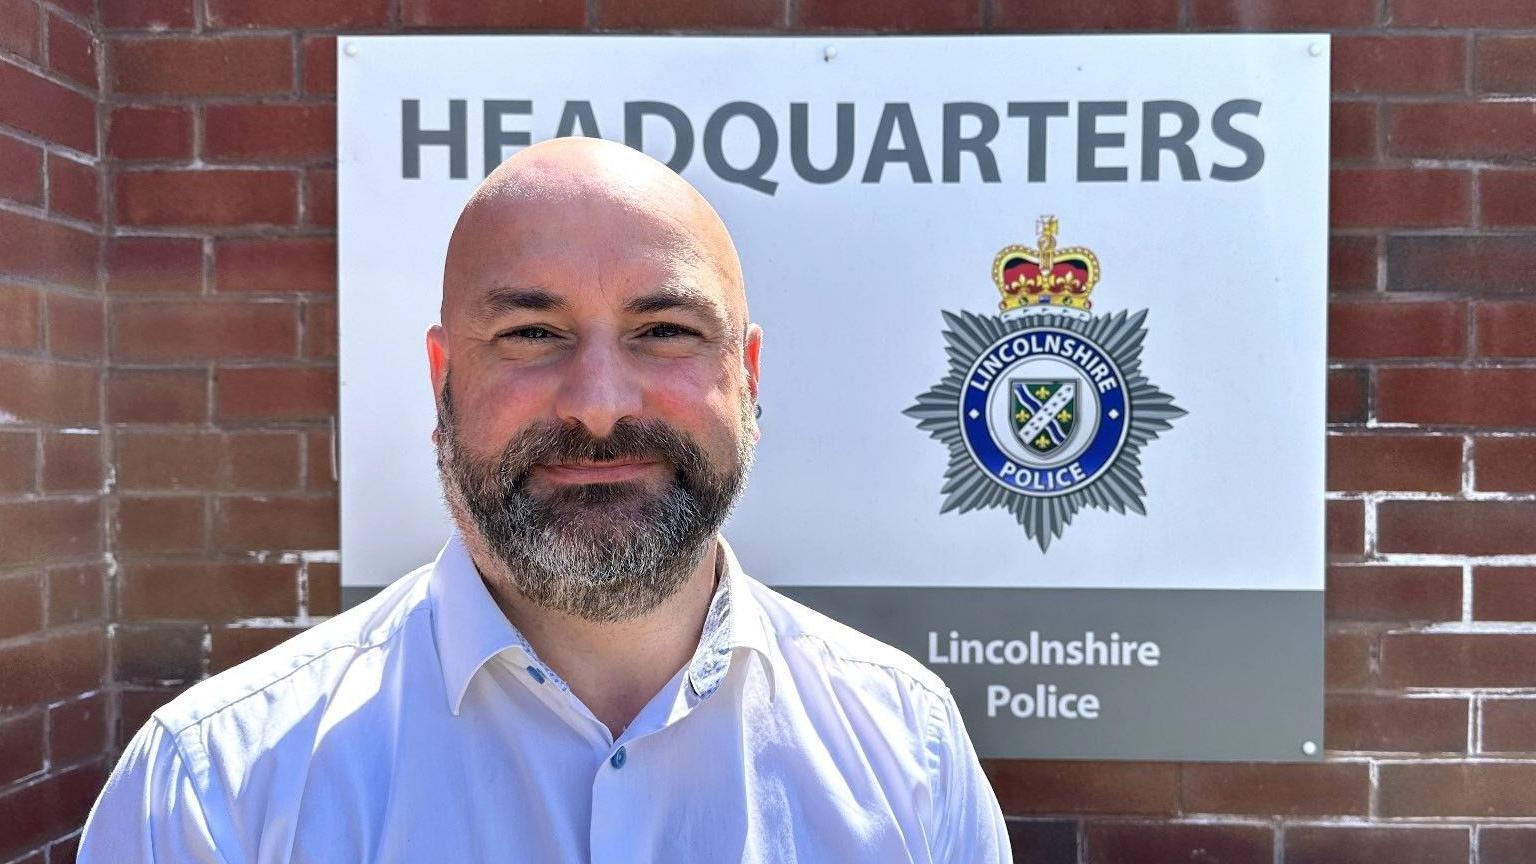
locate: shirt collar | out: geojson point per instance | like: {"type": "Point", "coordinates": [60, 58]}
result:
{"type": "Point", "coordinates": [470, 628]}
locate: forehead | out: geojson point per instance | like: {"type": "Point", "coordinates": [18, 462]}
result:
{"type": "Point", "coordinates": [581, 251]}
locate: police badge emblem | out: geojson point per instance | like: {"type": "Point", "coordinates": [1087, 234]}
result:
{"type": "Point", "coordinates": [1044, 407]}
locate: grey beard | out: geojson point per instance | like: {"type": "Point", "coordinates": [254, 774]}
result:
{"type": "Point", "coordinates": [602, 552]}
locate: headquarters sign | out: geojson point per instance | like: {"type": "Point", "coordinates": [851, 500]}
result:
{"type": "Point", "coordinates": [1043, 375]}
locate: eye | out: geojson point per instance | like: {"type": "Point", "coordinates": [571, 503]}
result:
{"type": "Point", "coordinates": [533, 333]}
{"type": "Point", "coordinates": [669, 331]}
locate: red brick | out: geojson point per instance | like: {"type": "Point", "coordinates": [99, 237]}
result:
{"type": "Point", "coordinates": [317, 57]}
{"type": "Point", "coordinates": [1084, 787]}
{"type": "Point", "coordinates": [21, 171]}
{"type": "Point", "coordinates": [157, 396]}
{"type": "Point", "coordinates": [208, 591]}
{"type": "Point", "coordinates": [18, 461]}
{"type": "Point", "coordinates": [1497, 844]}
{"type": "Point", "coordinates": [1031, 15]}
{"type": "Point", "coordinates": [262, 461]}
{"type": "Point", "coordinates": [1399, 64]}
{"type": "Point", "coordinates": [20, 327]}
{"type": "Point", "coordinates": [150, 132]}
{"type": "Point", "coordinates": [21, 606]}
{"type": "Point", "coordinates": [281, 393]}
{"type": "Point", "coordinates": [1457, 527]}
{"type": "Point", "coordinates": [1483, 397]}
{"type": "Point", "coordinates": [505, 15]}
{"type": "Point", "coordinates": [76, 326]}
{"type": "Point", "coordinates": [202, 65]}
{"type": "Point", "coordinates": [74, 594]}
{"type": "Point", "coordinates": [137, 703]}
{"type": "Point", "coordinates": [1468, 790]}
{"type": "Point", "coordinates": [1487, 130]}
{"type": "Point", "coordinates": [320, 330]}
{"type": "Point", "coordinates": [1506, 64]}
{"type": "Point", "coordinates": [1347, 658]}
{"type": "Point", "coordinates": [1504, 593]}
{"type": "Point", "coordinates": [71, 51]}
{"type": "Point", "coordinates": [1509, 198]}
{"type": "Point", "coordinates": [20, 28]}
{"type": "Point", "coordinates": [168, 524]}
{"type": "Point", "coordinates": [1353, 130]}
{"type": "Point", "coordinates": [1509, 726]}
{"type": "Point", "coordinates": [50, 392]}
{"type": "Point", "coordinates": [247, 524]}
{"type": "Point", "coordinates": [295, 14]}
{"type": "Point", "coordinates": [270, 133]}
{"type": "Point", "coordinates": [21, 747]}
{"type": "Point", "coordinates": [691, 14]}
{"type": "Point", "coordinates": [47, 251]}
{"type": "Point", "coordinates": [72, 462]}
{"type": "Point", "coordinates": [1330, 789]}
{"type": "Point", "coordinates": [232, 645]}
{"type": "Point", "coordinates": [204, 330]}
{"type": "Point", "coordinates": [1399, 844]}
{"type": "Point", "coordinates": [324, 581]}
{"type": "Point", "coordinates": [1164, 843]}
{"type": "Point", "coordinates": [1345, 528]}
{"type": "Point", "coordinates": [1462, 13]}
{"type": "Point", "coordinates": [1458, 659]}
{"type": "Point", "coordinates": [1393, 462]}
{"type": "Point", "coordinates": [60, 665]}
{"type": "Point", "coordinates": [1346, 395]}
{"type": "Point", "coordinates": [1389, 593]}
{"type": "Point", "coordinates": [320, 197]}
{"type": "Point", "coordinates": [51, 808]}
{"type": "Point", "coordinates": [49, 529]}
{"type": "Point", "coordinates": [1384, 330]}
{"type": "Point", "coordinates": [74, 189]}
{"type": "Point", "coordinates": [1482, 264]}
{"type": "Point", "coordinates": [157, 653]}
{"type": "Point", "coordinates": [171, 460]}
{"type": "Point", "coordinates": [157, 15]}
{"type": "Point", "coordinates": [77, 730]}
{"type": "Point", "coordinates": [1400, 198]}
{"type": "Point", "coordinates": [276, 265]}
{"type": "Point", "coordinates": [321, 450]}
{"type": "Point", "coordinates": [70, 119]}
{"type": "Point", "coordinates": [1505, 465]}
{"type": "Point", "coordinates": [207, 197]}
{"type": "Point", "coordinates": [146, 264]}
{"type": "Point", "coordinates": [1393, 724]}
{"type": "Point", "coordinates": [1283, 14]}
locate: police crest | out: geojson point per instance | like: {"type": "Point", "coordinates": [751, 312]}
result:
{"type": "Point", "coordinates": [1044, 407]}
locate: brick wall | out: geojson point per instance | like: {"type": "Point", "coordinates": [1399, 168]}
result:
{"type": "Point", "coordinates": [168, 392]}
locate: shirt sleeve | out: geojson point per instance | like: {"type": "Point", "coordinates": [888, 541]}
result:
{"type": "Point", "coordinates": [969, 826]}
{"type": "Point", "coordinates": [149, 810]}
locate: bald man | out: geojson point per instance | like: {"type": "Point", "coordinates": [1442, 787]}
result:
{"type": "Point", "coordinates": [585, 673]}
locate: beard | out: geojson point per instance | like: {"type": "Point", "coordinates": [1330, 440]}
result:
{"type": "Point", "coordinates": [602, 551]}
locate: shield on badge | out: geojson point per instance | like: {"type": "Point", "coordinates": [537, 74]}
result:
{"type": "Point", "coordinates": [1044, 413]}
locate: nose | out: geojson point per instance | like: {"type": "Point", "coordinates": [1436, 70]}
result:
{"type": "Point", "coordinates": [599, 387]}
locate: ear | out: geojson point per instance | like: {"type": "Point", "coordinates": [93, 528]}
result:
{"type": "Point", "coordinates": [437, 363]}
{"type": "Point", "coordinates": [752, 363]}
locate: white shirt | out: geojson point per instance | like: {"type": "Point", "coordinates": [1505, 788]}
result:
{"type": "Point", "coordinates": [420, 726]}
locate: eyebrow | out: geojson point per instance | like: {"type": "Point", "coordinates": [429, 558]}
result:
{"type": "Point", "coordinates": [667, 299]}
{"type": "Point", "coordinates": [502, 299]}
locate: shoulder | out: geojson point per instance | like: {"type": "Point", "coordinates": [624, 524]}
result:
{"type": "Point", "coordinates": [305, 669]}
{"type": "Point", "coordinates": [806, 635]}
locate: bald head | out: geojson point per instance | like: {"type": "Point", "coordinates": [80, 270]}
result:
{"type": "Point", "coordinates": [589, 201]}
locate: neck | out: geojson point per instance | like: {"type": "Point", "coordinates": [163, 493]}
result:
{"type": "Point", "coordinates": [616, 667]}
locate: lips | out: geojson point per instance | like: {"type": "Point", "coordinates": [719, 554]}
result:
{"type": "Point", "coordinates": [617, 471]}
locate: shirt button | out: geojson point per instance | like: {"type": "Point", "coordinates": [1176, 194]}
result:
{"type": "Point", "coordinates": [617, 759]}
{"type": "Point", "coordinates": [535, 674]}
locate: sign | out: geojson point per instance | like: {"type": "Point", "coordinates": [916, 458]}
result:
{"type": "Point", "coordinates": [1044, 368]}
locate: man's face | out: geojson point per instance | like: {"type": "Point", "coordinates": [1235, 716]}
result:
{"type": "Point", "coordinates": [595, 389]}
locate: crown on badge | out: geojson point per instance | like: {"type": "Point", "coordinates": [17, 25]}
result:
{"type": "Point", "coordinates": [1046, 279]}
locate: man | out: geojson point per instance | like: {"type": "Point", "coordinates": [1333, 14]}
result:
{"type": "Point", "coordinates": [585, 673]}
